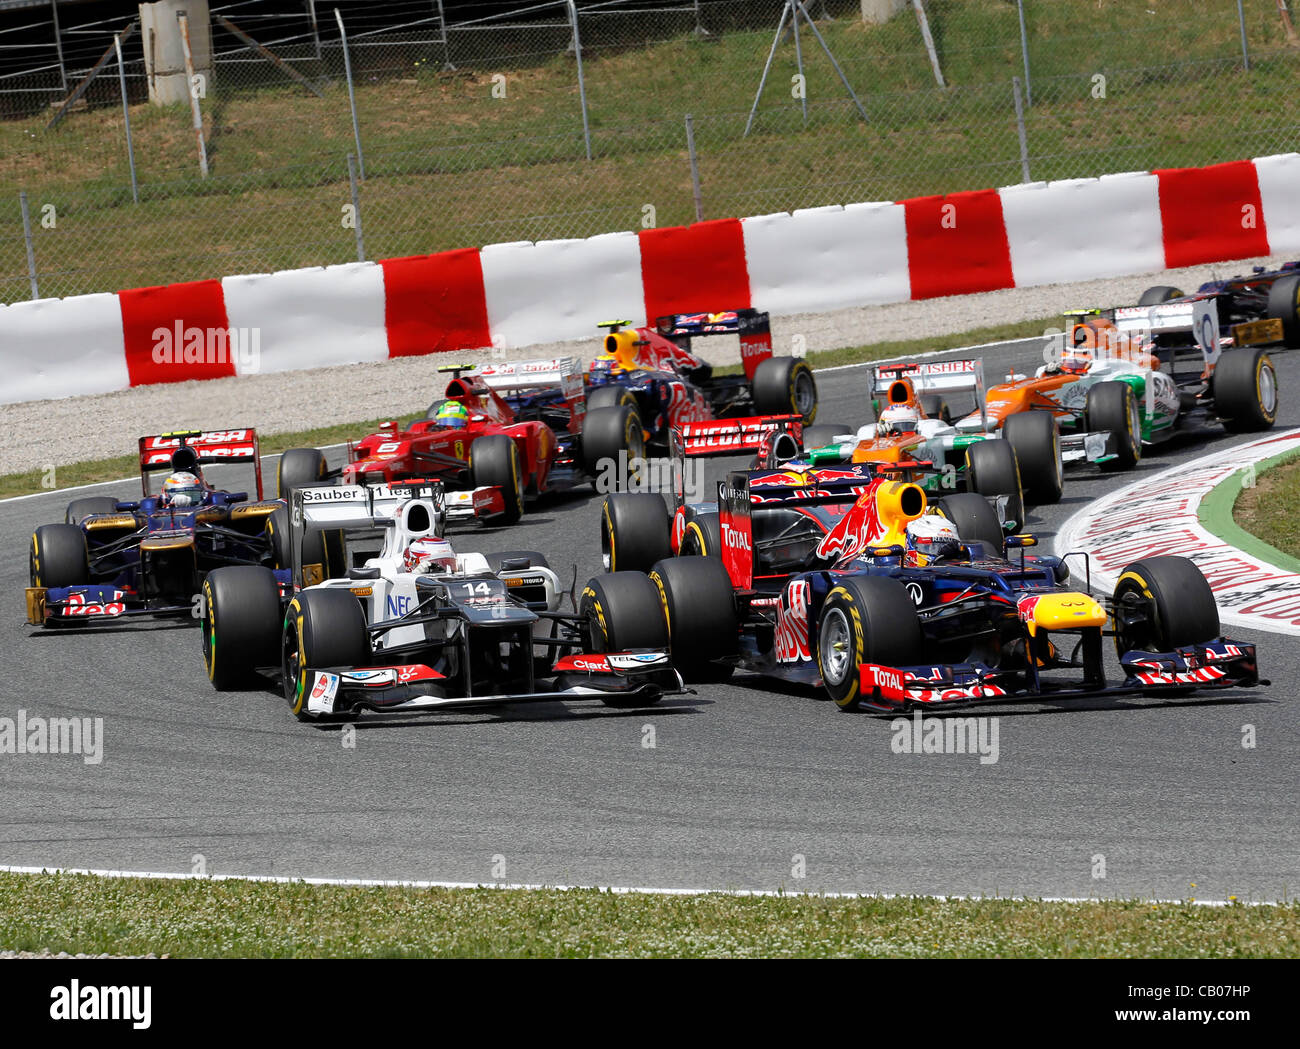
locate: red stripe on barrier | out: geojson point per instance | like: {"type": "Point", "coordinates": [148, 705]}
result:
{"type": "Point", "coordinates": [1211, 214]}
{"type": "Point", "coordinates": [176, 332]}
{"type": "Point", "coordinates": [957, 244]}
{"type": "Point", "coordinates": [435, 303]}
{"type": "Point", "coordinates": [693, 269]}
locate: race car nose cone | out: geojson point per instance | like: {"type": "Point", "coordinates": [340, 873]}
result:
{"type": "Point", "coordinates": [1068, 611]}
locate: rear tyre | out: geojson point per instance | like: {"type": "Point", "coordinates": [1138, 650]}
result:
{"type": "Point", "coordinates": [1162, 603]}
{"type": "Point", "coordinates": [1113, 406]}
{"type": "Point", "coordinates": [1160, 293]}
{"type": "Point", "coordinates": [701, 615]}
{"type": "Point", "coordinates": [935, 407]}
{"type": "Point", "coordinates": [974, 518]}
{"type": "Point", "coordinates": [610, 397]}
{"type": "Point", "coordinates": [1284, 304]}
{"type": "Point", "coordinates": [494, 463]}
{"type": "Point", "coordinates": [866, 619]}
{"type": "Point", "coordinates": [1035, 437]}
{"type": "Point", "coordinates": [821, 436]}
{"type": "Point", "coordinates": [79, 509]}
{"type": "Point", "coordinates": [534, 558]}
{"type": "Point", "coordinates": [991, 470]}
{"type": "Point", "coordinates": [607, 433]}
{"type": "Point", "coordinates": [298, 468]}
{"type": "Point", "coordinates": [785, 386]}
{"type": "Point", "coordinates": [322, 628]}
{"type": "Point", "coordinates": [702, 537]}
{"type": "Point", "coordinates": [1245, 390]}
{"type": "Point", "coordinates": [241, 623]}
{"type": "Point", "coordinates": [58, 556]}
{"type": "Point", "coordinates": [635, 531]}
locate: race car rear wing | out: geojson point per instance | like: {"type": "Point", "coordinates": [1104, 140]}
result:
{"type": "Point", "coordinates": [754, 327]}
{"type": "Point", "coordinates": [933, 377]}
{"type": "Point", "coordinates": [734, 436]}
{"type": "Point", "coordinates": [1199, 318]}
{"type": "Point", "coordinates": [510, 376]}
{"type": "Point", "coordinates": [187, 449]}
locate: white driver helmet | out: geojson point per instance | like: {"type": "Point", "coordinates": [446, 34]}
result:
{"type": "Point", "coordinates": [929, 536]}
{"type": "Point", "coordinates": [900, 418]}
{"type": "Point", "coordinates": [431, 556]}
{"type": "Point", "coordinates": [182, 489]}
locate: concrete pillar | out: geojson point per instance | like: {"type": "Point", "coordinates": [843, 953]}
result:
{"type": "Point", "coordinates": [164, 59]}
{"type": "Point", "coordinates": [877, 12]}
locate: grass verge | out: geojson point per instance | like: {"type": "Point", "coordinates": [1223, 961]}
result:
{"type": "Point", "coordinates": [35, 481]}
{"type": "Point", "coordinates": [129, 916]}
{"type": "Point", "coordinates": [1267, 511]}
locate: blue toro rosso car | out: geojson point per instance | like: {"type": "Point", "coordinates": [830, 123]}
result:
{"type": "Point", "coordinates": [113, 558]}
{"type": "Point", "coordinates": [848, 581]}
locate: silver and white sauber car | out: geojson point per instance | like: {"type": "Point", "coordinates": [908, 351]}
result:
{"type": "Point", "coordinates": [410, 625]}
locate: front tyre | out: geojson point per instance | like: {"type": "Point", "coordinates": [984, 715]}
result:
{"type": "Point", "coordinates": [58, 556]}
{"type": "Point", "coordinates": [241, 624]}
{"type": "Point", "coordinates": [623, 611]}
{"type": "Point", "coordinates": [298, 468]}
{"type": "Point", "coordinates": [494, 463]}
{"type": "Point", "coordinates": [1113, 406]}
{"type": "Point", "coordinates": [991, 470]}
{"type": "Point", "coordinates": [1035, 437]}
{"type": "Point", "coordinates": [635, 531]}
{"type": "Point", "coordinates": [1163, 603]}
{"type": "Point", "coordinates": [865, 619]}
{"type": "Point", "coordinates": [322, 628]}
{"type": "Point", "coordinates": [701, 615]}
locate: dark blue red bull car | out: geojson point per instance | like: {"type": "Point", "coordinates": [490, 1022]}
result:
{"type": "Point", "coordinates": [812, 577]}
{"type": "Point", "coordinates": [113, 558]}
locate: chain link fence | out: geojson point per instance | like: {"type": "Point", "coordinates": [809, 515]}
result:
{"type": "Point", "coordinates": [545, 120]}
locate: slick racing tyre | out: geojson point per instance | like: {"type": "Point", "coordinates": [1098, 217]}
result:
{"type": "Point", "coordinates": [785, 386]}
{"type": "Point", "coordinates": [322, 628]}
{"type": "Point", "coordinates": [935, 407]}
{"type": "Point", "coordinates": [1113, 406]}
{"type": "Point", "coordinates": [702, 537]}
{"type": "Point", "coordinates": [701, 615]}
{"type": "Point", "coordinates": [1160, 293]}
{"type": "Point", "coordinates": [79, 509]}
{"type": "Point", "coordinates": [494, 463]}
{"type": "Point", "coordinates": [613, 444]}
{"type": "Point", "coordinates": [975, 519]}
{"type": "Point", "coordinates": [241, 624]}
{"type": "Point", "coordinates": [865, 619]}
{"type": "Point", "coordinates": [1162, 603]}
{"type": "Point", "coordinates": [991, 470]}
{"type": "Point", "coordinates": [822, 435]}
{"type": "Point", "coordinates": [534, 559]}
{"type": "Point", "coordinates": [326, 548]}
{"type": "Point", "coordinates": [623, 611]}
{"type": "Point", "coordinates": [610, 397]}
{"type": "Point", "coordinates": [58, 556]}
{"type": "Point", "coordinates": [298, 468]}
{"type": "Point", "coordinates": [1245, 390]}
{"type": "Point", "coordinates": [634, 531]}
{"type": "Point", "coordinates": [1284, 305]}
{"type": "Point", "coordinates": [1035, 437]}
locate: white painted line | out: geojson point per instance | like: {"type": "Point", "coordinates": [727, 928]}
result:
{"type": "Point", "coordinates": [921, 356]}
{"type": "Point", "coordinates": [125, 480]}
{"type": "Point", "coordinates": [1158, 515]}
{"type": "Point", "coordinates": [615, 889]}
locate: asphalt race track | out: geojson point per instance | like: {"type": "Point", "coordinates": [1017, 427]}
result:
{"type": "Point", "coordinates": [744, 784]}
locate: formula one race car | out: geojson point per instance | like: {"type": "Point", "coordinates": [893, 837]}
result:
{"type": "Point", "coordinates": [654, 370]}
{"type": "Point", "coordinates": [1258, 309]}
{"type": "Point", "coordinates": [417, 627]}
{"type": "Point", "coordinates": [914, 439]}
{"type": "Point", "coordinates": [882, 604]}
{"type": "Point", "coordinates": [113, 558]}
{"type": "Point", "coordinates": [1135, 376]}
{"type": "Point", "coordinates": [492, 447]}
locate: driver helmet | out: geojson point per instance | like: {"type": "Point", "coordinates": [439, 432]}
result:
{"type": "Point", "coordinates": [928, 537]}
{"type": "Point", "coordinates": [900, 418]}
{"type": "Point", "coordinates": [1076, 362]}
{"type": "Point", "coordinates": [452, 415]}
{"type": "Point", "coordinates": [429, 555]}
{"type": "Point", "coordinates": [183, 489]}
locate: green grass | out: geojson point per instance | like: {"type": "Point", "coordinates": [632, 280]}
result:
{"type": "Point", "coordinates": [1268, 511]}
{"type": "Point", "coordinates": [121, 916]}
{"type": "Point", "coordinates": [449, 166]}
